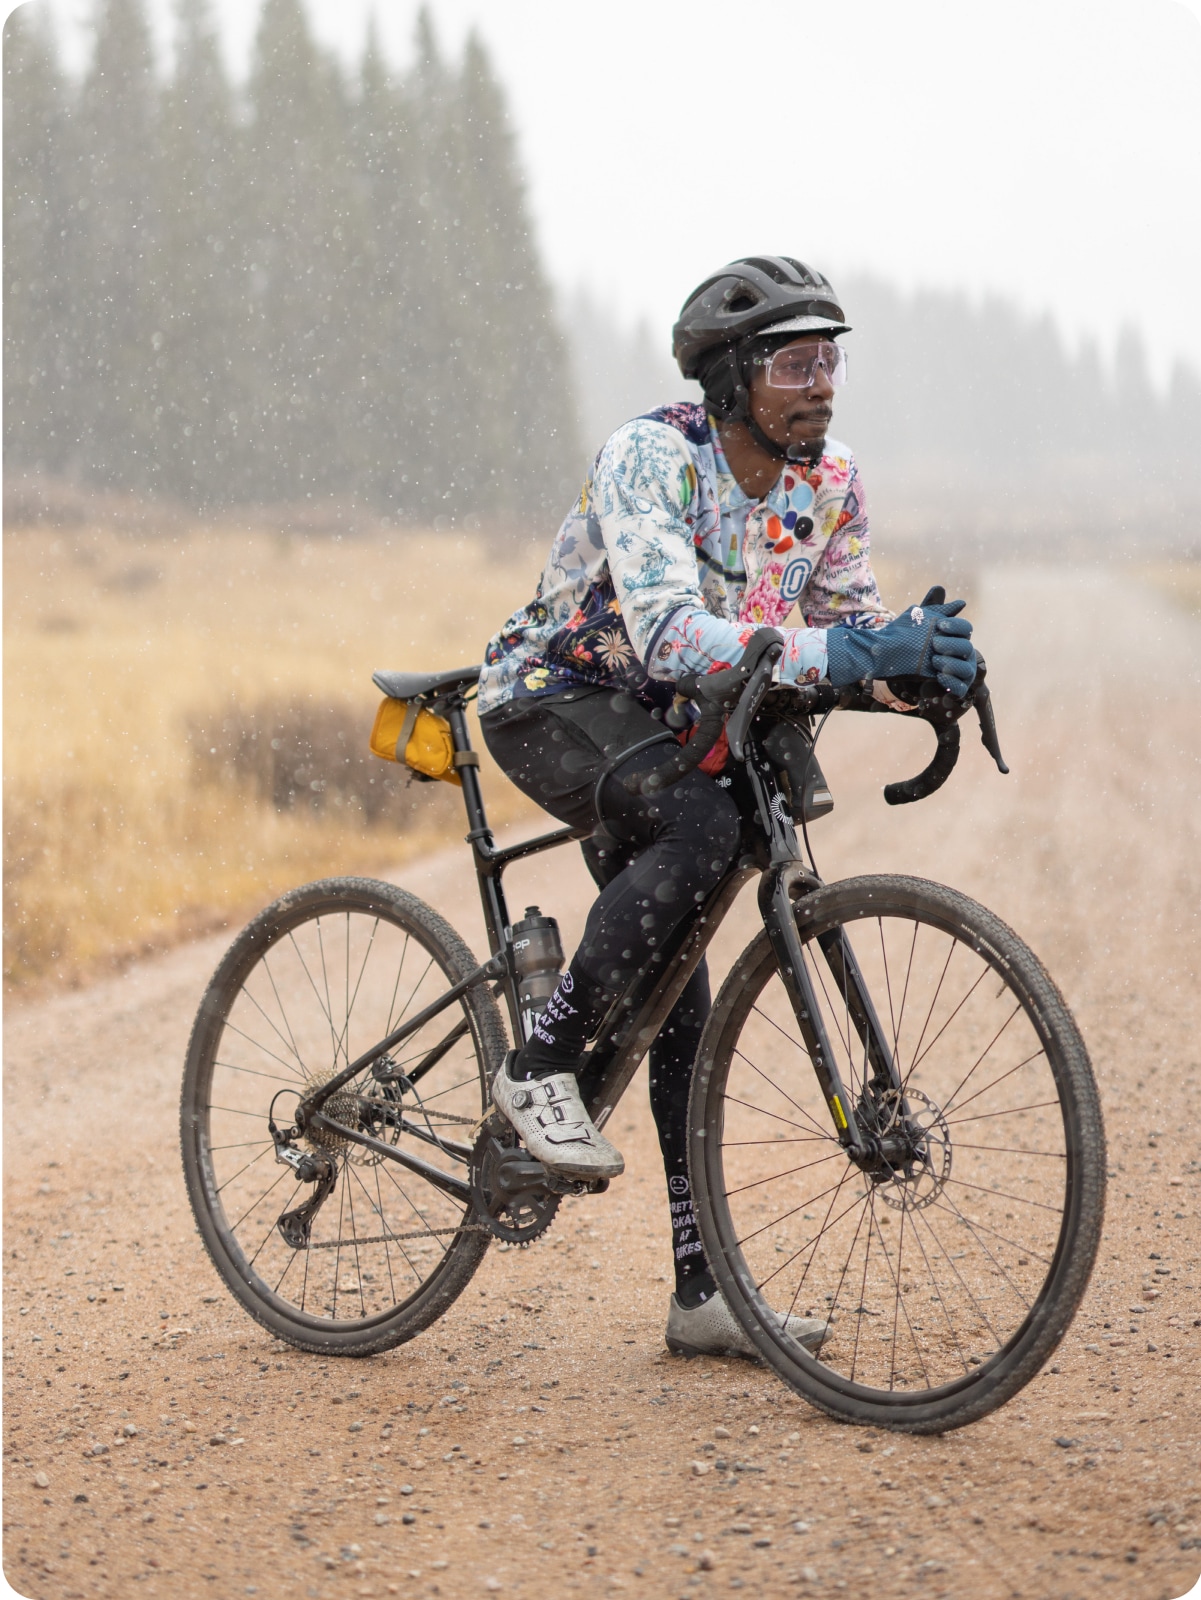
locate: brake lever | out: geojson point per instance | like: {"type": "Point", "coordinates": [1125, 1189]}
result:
{"type": "Point", "coordinates": [988, 723]}
{"type": "Point", "coordinates": [751, 699]}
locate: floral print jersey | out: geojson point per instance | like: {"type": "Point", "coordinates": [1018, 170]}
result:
{"type": "Point", "coordinates": [664, 566]}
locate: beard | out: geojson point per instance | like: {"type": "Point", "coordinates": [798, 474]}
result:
{"type": "Point", "coordinates": [813, 431]}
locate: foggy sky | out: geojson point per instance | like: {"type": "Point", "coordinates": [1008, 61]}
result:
{"type": "Point", "coordinates": [1046, 150]}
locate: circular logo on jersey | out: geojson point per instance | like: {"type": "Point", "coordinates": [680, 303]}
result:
{"type": "Point", "coordinates": [567, 983]}
{"type": "Point", "coordinates": [678, 1185]}
{"type": "Point", "coordinates": [796, 576]}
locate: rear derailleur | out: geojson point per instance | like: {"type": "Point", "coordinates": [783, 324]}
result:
{"type": "Point", "coordinates": [310, 1166]}
{"type": "Point", "coordinates": [515, 1196]}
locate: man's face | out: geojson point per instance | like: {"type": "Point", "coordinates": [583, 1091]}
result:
{"type": "Point", "coordinates": [794, 417]}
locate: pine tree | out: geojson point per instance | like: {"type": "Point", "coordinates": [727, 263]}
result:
{"type": "Point", "coordinates": [302, 232]}
{"type": "Point", "coordinates": [199, 279]}
{"type": "Point", "coordinates": [518, 406]}
{"type": "Point", "coordinates": [390, 403]}
{"type": "Point", "coordinates": [1137, 408]}
{"type": "Point", "coordinates": [429, 291]}
{"type": "Point", "coordinates": [36, 129]}
{"type": "Point", "coordinates": [111, 314]}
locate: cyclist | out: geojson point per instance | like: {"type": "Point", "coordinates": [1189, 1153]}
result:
{"type": "Point", "coordinates": [696, 525]}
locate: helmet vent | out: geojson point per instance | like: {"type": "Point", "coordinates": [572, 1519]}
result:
{"type": "Point", "coordinates": [742, 301]}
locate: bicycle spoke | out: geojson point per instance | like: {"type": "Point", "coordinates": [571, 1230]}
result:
{"type": "Point", "coordinates": [977, 1228]}
{"type": "Point", "coordinates": [387, 1252]}
{"type": "Point", "coordinates": [282, 1013]}
{"type": "Point", "coordinates": [1007, 1074]}
{"type": "Point", "coordinates": [796, 1044]}
{"type": "Point", "coordinates": [938, 1295]}
{"type": "Point", "coordinates": [1011, 1150]}
{"type": "Point", "coordinates": [1013, 1111]}
{"type": "Point", "coordinates": [1001, 1194]}
{"type": "Point", "coordinates": [391, 1236]}
{"type": "Point", "coordinates": [782, 1093]}
{"type": "Point", "coordinates": [773, 1115]}
{"type": "Point", "coordinates": [834, 1154]}
{"type": "Point", "coordinates": [358, 1266]}
{"type": "Point", "coordinates": [342, 1187]}
{"type": "Point", "coordinates": [260, 1200]}
{"type": "Point", "coordinates": [288, 1043]}
{"type": "Point", "coordinates": [842, 1276]}
{"type": "Point", "coordinates": [245, 1168]}
{"type": "Point", "coordinates": [287, 1065]}
{"type": "Point", "coordinates": [918, 1294]}
{"type": "Point", "coordinates": [819, 1235]}
{"type": "Point", "coordinates": [918, 1059]}
{"type": "Point", "coordinates": [933, 1002]}
{"type": "Point", "coordinates": [780, 1138]}
{"type": "Point", "coordinates": [971, 1070]}
{"type": "Point", "coordinates": [253, 1072]}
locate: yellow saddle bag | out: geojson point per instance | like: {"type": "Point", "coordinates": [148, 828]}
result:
{"type": "Point", "coordinates": [405, 731]}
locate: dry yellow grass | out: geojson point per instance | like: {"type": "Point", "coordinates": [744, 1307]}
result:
{"type": "Point", "coordinates": [1180, 581]}
{"type": "Point", "coordinates": [117, 644]}
{"type": "Point", "coordinates": [113, 643]}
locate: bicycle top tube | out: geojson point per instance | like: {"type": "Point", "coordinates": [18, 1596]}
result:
{"type": "Point", "coordinates": [737, 698]}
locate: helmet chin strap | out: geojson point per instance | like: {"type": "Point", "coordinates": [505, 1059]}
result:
{"type": "Point", "coordinates": [781, 452]}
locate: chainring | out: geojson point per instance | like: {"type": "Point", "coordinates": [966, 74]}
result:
{"type": "Point", "coordinates": [512, 1201]}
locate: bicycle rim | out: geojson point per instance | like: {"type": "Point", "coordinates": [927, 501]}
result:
{"type": "Point", "coordinates": [316, 980]}
{"type": "Point", "coordinates": [949, 1278]}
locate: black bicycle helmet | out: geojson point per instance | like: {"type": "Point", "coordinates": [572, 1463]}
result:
{"type": "Point", "coordinates": [753, 298]}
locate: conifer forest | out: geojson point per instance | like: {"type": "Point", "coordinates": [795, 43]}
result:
{"type": "Point", "coordinates": [315, 284]}
{"type": "Point", "coordinates": [321, 284]}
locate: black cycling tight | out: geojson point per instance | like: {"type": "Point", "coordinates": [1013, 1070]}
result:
{"type": "Point", "coordinates": [655, 859]}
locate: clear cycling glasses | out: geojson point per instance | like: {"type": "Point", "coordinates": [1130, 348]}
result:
{"type": "Point", "coordinates": [794, 367]}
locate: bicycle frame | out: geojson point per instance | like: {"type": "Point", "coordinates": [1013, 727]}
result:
{"type": "Point", "coordinates": [636, 1017]}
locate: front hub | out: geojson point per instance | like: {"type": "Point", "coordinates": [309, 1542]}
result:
{"type": "Point", "coordinates": [907, 1153]}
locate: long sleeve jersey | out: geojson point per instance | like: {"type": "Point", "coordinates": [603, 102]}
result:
{"type": "Point", "coordinates": [664, 567]}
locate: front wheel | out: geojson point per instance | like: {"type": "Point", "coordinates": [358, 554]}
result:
{"type": "Point", "coordinates": [374, 1251]}
{"type": "Point", "coordinates": [950, 1267]}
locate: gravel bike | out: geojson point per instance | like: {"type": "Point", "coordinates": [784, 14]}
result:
{"type": "Point", "coordinates": [893, 1121]}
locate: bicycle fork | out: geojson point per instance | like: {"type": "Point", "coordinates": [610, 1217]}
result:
{"type": "Point", "coordinates": [784, 875]}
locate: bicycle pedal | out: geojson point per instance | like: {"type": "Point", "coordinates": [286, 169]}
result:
{"type": "Point", "coordinates": [575, 1186]}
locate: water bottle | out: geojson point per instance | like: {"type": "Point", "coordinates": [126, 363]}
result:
{"type": "Point", "coordinates": [538, 958]}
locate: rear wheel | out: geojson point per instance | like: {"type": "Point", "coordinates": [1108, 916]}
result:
{"type": "Point", "coordinates": [951, 1266]}
{"type": "Point", "coordinates": [374, 1253]}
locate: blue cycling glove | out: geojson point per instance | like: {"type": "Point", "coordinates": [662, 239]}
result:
{"type": "Point", "coordinates": [927, 641]}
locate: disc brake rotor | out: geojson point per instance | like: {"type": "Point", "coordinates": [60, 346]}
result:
{"type": "Point", "coordinates": [915, 1184]}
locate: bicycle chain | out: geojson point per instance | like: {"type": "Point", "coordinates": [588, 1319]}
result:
{"type": "Point", "coordinates": [397, 1238]}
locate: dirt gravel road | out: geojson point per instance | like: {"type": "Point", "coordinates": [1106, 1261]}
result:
{"type": "Point", "coordinates": [540, 1439]}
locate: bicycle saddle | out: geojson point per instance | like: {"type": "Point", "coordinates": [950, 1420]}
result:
{"type": "Point", "coordinates": [409, 685]}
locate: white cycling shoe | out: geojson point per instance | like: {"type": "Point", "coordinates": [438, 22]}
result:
{"type": "Point", "coordinates": [549, 1118]}
{"type": "Point", "coordinates": [711, 1329]}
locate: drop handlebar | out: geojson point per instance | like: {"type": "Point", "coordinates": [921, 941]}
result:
{"type": "Point", "coordinates": [732, 697]}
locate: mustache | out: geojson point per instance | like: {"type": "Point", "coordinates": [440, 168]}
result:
{"type": "Point", "coordinates": [811, 415]}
